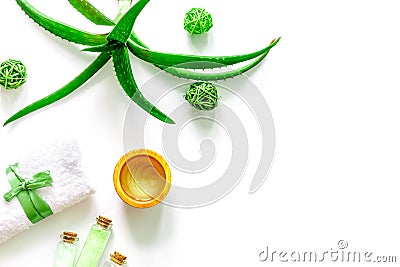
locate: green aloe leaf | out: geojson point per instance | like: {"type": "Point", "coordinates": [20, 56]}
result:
{"type": "Point", "coordinates": [187, 74]}
{"type": "Point", "coordinates": [193, 75]}
{"type": "Point", "coordinates": [192, 61]}
{"type": "Point", "coordinates": [97, 64]}
{"type": "Point", "coordinates": [60, 29]}
{"type": "Point", "coordinates": [91, 13]}
{"type": "Point", "coordinates": [123, 70]}
{"type": "Point", "coordinates": [124, 26]}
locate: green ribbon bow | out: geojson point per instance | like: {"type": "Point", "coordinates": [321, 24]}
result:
{"type": "Point", "coordinates": [33, 205]}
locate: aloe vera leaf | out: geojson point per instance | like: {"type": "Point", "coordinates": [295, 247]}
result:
{"type": "Point", "coordinates": [123, 70]}
{"type": "Point", "coordinates": [187, 74]}
{"type": "Point", "coordinates": [192, 61]}
{"type": "Point", "coordinates": [96, 65]}
{"type": "Point", "coordinates": [124, 26]}
{"type": "Point", "coordinates": [91, 13]}
{"type": "Point", "coordinates": [60, 29]}
{"type": "Point", "coordinates": [124, 6]}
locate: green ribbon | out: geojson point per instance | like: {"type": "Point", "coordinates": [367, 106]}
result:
{"type": "Point", "coordinates": [33, 205]}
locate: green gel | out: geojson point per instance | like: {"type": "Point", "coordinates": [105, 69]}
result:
{"type": "Point", "coordinates": [67, 250]}
{"type": "Point", "coordinates": [66, 254]}
{"type": "Point", "coordinates": [94, 247]}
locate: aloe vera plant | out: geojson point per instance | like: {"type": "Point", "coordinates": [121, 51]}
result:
{"type": "Point", "coordinates": [116, 44]}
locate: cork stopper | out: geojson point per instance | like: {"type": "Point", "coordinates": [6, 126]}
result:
{"type": "Point", "coordinates": [69, 237]}
{"type": "Point", "coordinates": [104, 222]}
{"type": "Point", "coordinates": [118, 258]}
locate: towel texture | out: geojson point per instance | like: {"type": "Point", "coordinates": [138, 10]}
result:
{"type": "Point", "coordinates": [70, 185]}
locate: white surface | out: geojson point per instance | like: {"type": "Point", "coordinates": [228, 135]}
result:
{"type": "Point", "coordinates": [331, 83]}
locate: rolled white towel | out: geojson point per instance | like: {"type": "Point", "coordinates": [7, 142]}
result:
{"type": "Point", "coordinates": [70, 185]}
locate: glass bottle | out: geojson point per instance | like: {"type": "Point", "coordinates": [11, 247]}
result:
{"type": "Point", "coordinates": [67, 250]}
{"type": "Point", "coordinates": [95, 244]}
{"type": "Point", "coordinates": [116, 260]}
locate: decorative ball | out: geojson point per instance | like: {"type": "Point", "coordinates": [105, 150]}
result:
{"type": "Point", "coordinates": [202, 95]}
{"type": "Point", "coordinates": [12, 74]}
{"type": "Point", "coordinates": [198, 21]}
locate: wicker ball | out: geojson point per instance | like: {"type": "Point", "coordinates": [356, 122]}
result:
{"type": "Point", "coordinates": [198, 21]}
{"type": "Point", "coordinates": [12, 74]}
{"type": "Point", "coordinates": [202, 95]}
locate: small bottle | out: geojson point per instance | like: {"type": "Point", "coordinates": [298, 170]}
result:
{"type": "Point", "coordinates": [95, 244]}
{"type": "Point", "coordinates": [67, 250]}
{"type": "Point", "coordinates": [116, 260]}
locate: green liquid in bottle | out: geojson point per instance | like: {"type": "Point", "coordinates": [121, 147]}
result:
{"type": "Point", "coordinates": [67, 250]}
{"type": "Point", "coordinates": [95, 244]}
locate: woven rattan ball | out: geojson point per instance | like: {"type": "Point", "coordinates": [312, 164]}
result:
{"type": "Point", "coordinates": [197, 21]}
{"type": "Point", "coordinates": [12, 74]}
{"type": "Point", "coordinates": [202, 95]}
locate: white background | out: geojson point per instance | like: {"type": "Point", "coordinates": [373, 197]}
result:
{"type": "Point", "coordinates": [332, 85]}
